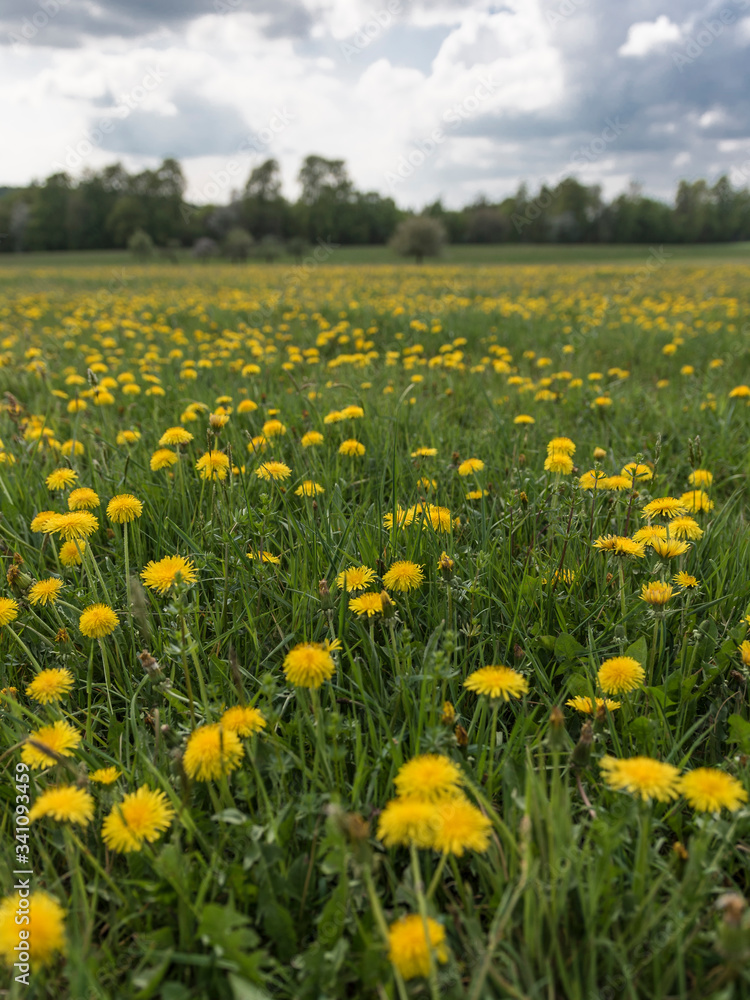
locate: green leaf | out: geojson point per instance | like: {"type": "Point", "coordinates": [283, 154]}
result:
{"type": "Point", "coordinates": [638, 650]}
{"type": "Point", "coordinates": [568, 648]}
{"type": "Point", "coordinates": [243, 990]}
{"type": "Point", "coordinates": [333, 916]}
{"type": "Point", "coordinates": [740, 732]}
{"type": "Point", "coordinates": [279, 926]}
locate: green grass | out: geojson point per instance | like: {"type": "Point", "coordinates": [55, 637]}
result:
{"type": "Point", "coordinates": [273, 880]}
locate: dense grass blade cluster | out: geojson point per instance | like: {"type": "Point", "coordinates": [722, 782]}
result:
{"type": "Point", "coordinates": [384, 635]}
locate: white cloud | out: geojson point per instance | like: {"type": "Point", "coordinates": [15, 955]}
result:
{"type": "Point", "coordinates": [646, 36]}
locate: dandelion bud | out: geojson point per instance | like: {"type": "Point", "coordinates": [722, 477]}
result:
{"type": "Point", "coordinates": [599, 454]}
{"type": "Point", "coordinates": [523, 498]}
{"type": "Point", "coordinates": [149, 664]}
{"type": "Point", "coordinates": [519, 652]}
{"type": "Point", "coordinates": [325, 595]}
{"type": "Point", "coordinates": [680, 850]}
{"type": "Point", "coordinates": [389, 608]}
{"type": "Point", "coordinates": [462, 737]}
{"type": "Point", "coordinates": [732, 905]}
{"type": "Point", "coordinates": [582, 750]}
{"type": "Point", "coordinates": [556, 728]}
{"type": "Point", "coordinates": [449, 714]}
{"type": "Point", "coordinates": [445, 566]}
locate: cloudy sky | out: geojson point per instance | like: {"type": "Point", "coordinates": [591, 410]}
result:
{"type": "Point", "coordinates": [422, 98]}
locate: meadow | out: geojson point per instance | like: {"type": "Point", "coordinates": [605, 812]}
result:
{"type": "Point", "coordinates": [378, 631]}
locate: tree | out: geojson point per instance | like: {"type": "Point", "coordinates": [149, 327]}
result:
{"type": "Point", "coordinates": [204, 248]}
{"type": "Point", "coordinates": [297, 246]}
{"type": "Point", "coordinates": [418, 237]}
{"type": "Point", "coordinates": [270, 247]}
{"type": "Point", "coordinates": [238, 244]}
{"type": "Point", "coordinates": [141, 245]}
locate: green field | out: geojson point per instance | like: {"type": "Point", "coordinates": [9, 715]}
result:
{"type": "Point", "coordinates": [379, 631]}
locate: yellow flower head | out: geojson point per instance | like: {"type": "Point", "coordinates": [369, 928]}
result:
{"type": "Point", "coordinates": [649, 532]}
{"type": "Point", "coordinates": [50, 685]}
{"type": "Point", "coordinates": [213, 465]}
{"type": "Point", "coordinates": [403, 518]}
{"type": "Point", "coordinates": [367, 604]}
{"type": "Point", "coordinates": [685, 527]}
{"type": "Point", "coordinates": [352, 448]}
{"type": "Point", "coordinates": [408, 947]}
{"type": "Point", "coordinates": [497, 682]}
{"type": "Point", "coordinates": [592, 480]}
{"type": "Point", "coordinates": [664, 507]}
{"type": "Point", "coordinates": [437, 518]}
{"type": "Point", "coordinates": [403, 576]}
{"type": "Point", "coordinates": [562, 445]}
{"type": "Point", "coordinates": [656, 593]}
{"type": "Point", "coordinates": [84, 498]}
{"type": "Point", "coordinates": [61, 479]}
{"type": "Point", "coordinates": [243, 719]}
{"type": "Point", "coordinates": [642, 776]}
{"type": "Point", "coordinates": [459, 826]}
{"type": "Point", "coordinates": [71, 552]}
{"type": "Point", "coordinates": [697, 501]}
{"type": "Point", "coordinates": [701, 478]}
{"type": "Point", "coordinates": [637, 472]}
{"type": "Point", "coordinates": [264, 556]}
{"type": "Point", "coordinates": [161, 576]}
{"type": "Point", "coordinates": [64, 803]}
{"type": "Point", "coordinates": [583, 704]}
{"type": "Point", "coordinates": [140, 818]}
{"type": "Point", "coordinates": [669, 548]}
{"type": "Point", "coordinates": [309, 488]}
{"type": "Point", "coordinates": [559, 463]}
{"type": "Point", "coordinates": [39, 522]}
{"type": "Point", "coordinates": [424, 453]}
{"type": "Point", "coordinates": [407, 821]}
{"type": "Point", "coordinates": [429, 778]}
{"type": "Point", "coordinates": [124, 508]}
{"type": "Point", "coordinates": [311, 439]}
{"type": "Point", "coordinates": [105, 775]}
{"type": "Point", "coordinates": [163, 458]}
{"type": "Point", "coordinates": [98, 620]}
{"type": "Point", "coordinates": [273, 470]}
{"type": "Point", "coordinates": [620, 674]}
{"type": "Point", "coordinates": [71, 526]}
{"type": "Point", "coordinates": [470, 465]}
{"type": "Point", "coordinates": [708, 789]}
{"type": "Point", "coordinates": [211, 752]}
{"type": "Point", "coordinates": [686, 581]}
{"type": "Point", "coordinates": [309, 664]}
{"type": "Point", "coordinates": [45, 927]}
{"type": "Point", "coordinates": [45, 591]}
{"type": "Point", "coordinates": [8, 610]}
{"type": "Point", "coordinates": [45, 745]}
{"type": "Point", "coordinates": [355, 578]}
{"type": "Point", "coordinates": [620, 545]}
{"type": "Point", "coordinates": [173, 436]}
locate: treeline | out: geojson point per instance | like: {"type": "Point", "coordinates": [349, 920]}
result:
{"type": "Point", "coordinates": [104, 209]}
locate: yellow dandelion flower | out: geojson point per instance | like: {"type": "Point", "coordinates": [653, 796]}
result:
{"type": "Point", "coordinates": [685, 527]}
{"type": "Point", "coordinates": [161, 576]}
{"type": "Point", "coordinates": [352, 412]}
{"type": "Point", "coordinates": [355, 578]}
{"type": "Point", "coordinates": [273, 470]}
{"type": "Point", "coordinates": [668, 507]}
{"type": "Point", "coordinates": [71, 552]}
{"type": "Point", "coordinates": [561, 444]}
{"type": "Point", "coordinates": [50, 685]}
{"type": "Point", "coordinates": [273, 428]}
{"type": "Point", "coordinates": [708, 789]}
{"type": "Point", "coordinates": [71, 526]}
{"type": "Point", "coordinates": [45, 591]}
{"type": "Point", "coordinates": [669, 548]}
{"type": "Point", "coordinates": [620, 545]}
{"type": "Point", "coordinates": [744, 650]}
{"type": "Point", "coordinates": [403, 518]}
{"type": "Point", "coordinates": [620, 674]}
{"type": "Point", "coordinates": [559, 463]}
{"type": "Point", "coordinates": [642, 776]}
{"type": "Point", "coordinates": [404, 576]}
{"type": "Point", "coordinates": [264, 556]}
{"type": "Point", "coordinates": [424, 453]}
{"type": "Point", "coordinates": [124, 508]}
{"type": "Point", "coordinates": [523, 418]}
{"type": "Point", "coordinates": [700, 478]}
{"type": "Point", "coordinates": [686, 581]}
{"type": "Point", "coordinates": [243, 719]}
{"type": "Point", "coordinates": [649, 532]}
{"type": "Point", "coordinates": [459, 826]}
{"type": "Point", "coordinates": [407, 821]}
{"type": "Point", "coordinates": [39, 522]}
{"type": "Point", "coordinates": [309, 488]}
{"type": "Point", "coordinates": [163, 458]}
{"type": "Point", "coordinates": [141, 817]}
{"type": "Point", "coordinates": [656, 592]}
{"type": "Point", "coordinates": [497, 682]}
{"type": "Point", "coordinates": [637, 472]}
{"type": "Point", "coordinates": [352, 448]}
{"type": "Point", "coordinates": [105, 775]}
{"type": "Point", "coordinates": [697, 501]}
{"type": "Point", "coordinates": [309, 664]}
{"type": "Point", "coordinates": [173, 436]}
{"type": "Point", "coordinates": [470, 465]}
{"type": "Point", "coordinates": [437, 518]}
{"type": "Point", "coordinates": [212, 751]}
{"type": "Point", "coordinates": [8, 610]}
{"type": "Point", "coordinates": [64, 803]}
{"type": "Point", "coordinates": [45, 745]}
{"type": "Point", "coordinates": [409, 949]}
{"type": "Point", "coordinates": [61, 479]}
{"type": "Point", "coordinates": [45, 929]}
{"type": "Point", "coordinates": [128, 437]}
{"type": "Point", "coordinates": [592, 480]}
{"type": "Point", "coordinates": [98, 620]}
{"type": "Point", "coordinates": [590, 707]}
{"type": "Point", "coordinates": [429, 778]}
{"type": "Point", "coordinates": [84, 498]}
{"type": "Point", "coordinates": [213, 465]}
{"type": "Point", "coordinates": [367, 604]}
{"type": "Point", "coordinates": [311, 439]}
